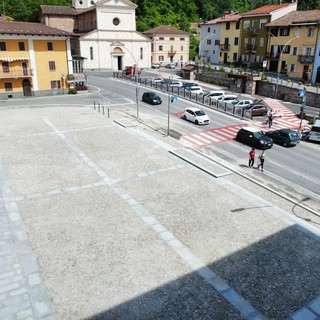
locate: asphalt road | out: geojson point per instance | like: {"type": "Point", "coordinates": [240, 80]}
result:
{"type": "Point", "coordinates": [295, 167]}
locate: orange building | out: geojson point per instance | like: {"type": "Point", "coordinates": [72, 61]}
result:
{"type": "Point", "coordinates": [35, 59]}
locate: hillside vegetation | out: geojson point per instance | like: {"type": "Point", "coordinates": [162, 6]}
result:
{"type": "Point", "coordinates": [153, 13]}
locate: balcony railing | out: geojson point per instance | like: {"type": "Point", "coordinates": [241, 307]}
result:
{"type": "Point", "coordinates": [16, 73]}
{"type": "Point", "coordinates": [306, 59]}
{"type": "Point", "coordinates": [171, 52]}
{"type": "Point", "coordinates": [253, 32]}
{"type": "Point", "coordinates": [251, 48]}
{"type": "Point", "coordinates": [224, 47]}
{"type": "Point", "coordinates": [272, 55]}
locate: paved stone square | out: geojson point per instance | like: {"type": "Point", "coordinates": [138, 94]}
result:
{"type": "Point", "coordinates": [103, 221]}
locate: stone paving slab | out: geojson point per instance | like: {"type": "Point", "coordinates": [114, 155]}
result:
{"type": "Point", "coordinates": [114, 226]}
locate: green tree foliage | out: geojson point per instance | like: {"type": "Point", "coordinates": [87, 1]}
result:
{"type": "Point", "coordinates": [28, 10]}
{"type": "Point", "coordinates": [152, 13]}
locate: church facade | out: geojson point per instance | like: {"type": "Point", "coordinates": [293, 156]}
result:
{"type": "Point", "coordinates": [107, 40]}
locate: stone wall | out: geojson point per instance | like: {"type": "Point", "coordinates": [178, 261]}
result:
{"type": "Point", "coordinates": [254, 85]}
{"type": "Point", "coordinates": [285, 93]}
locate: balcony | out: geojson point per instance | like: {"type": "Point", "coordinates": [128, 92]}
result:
{"type": "Point", "coordinates": [15, 73]}
{"type": "Point", "coordinates": [253, 32]}
{"type": "Point", "coordinates": [273, 55]}
{"type": "Point", "coordinates": [224, 47]}
{"type": "Point", "coordinates": [306, 59]}
{"type": "Point", "coordinates": [171, 52]}
{"type": "Point", "coordinates": [251, 48]}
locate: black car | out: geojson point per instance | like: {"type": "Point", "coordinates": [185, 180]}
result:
{"type": "Point", "coordinates": [255, 138]}
{"type": "Point", "coordinates": [285, 137]}
{"type": "Point", "coordinates": [151, 97]}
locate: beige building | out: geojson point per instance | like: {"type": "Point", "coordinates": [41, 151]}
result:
{"type": "Point", "coordinates": [169, 45]}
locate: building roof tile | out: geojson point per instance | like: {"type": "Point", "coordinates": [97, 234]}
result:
{"type": "Point", "coordinates": [267, 9]}
{"type": "Point", "coordinates": [297, 17]}
{"type": "Point", "coordinates": [58, 10]}
{"type": "Point", "coordinates": [164, 29]}
{"type": "Point", "coordinates": [227, 17]}
{"type": "Point", "coordinates": [30, 28]}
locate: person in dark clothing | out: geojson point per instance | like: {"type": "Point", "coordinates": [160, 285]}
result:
{"type": "Point", "coordinates": [252, 155]}
{"type": "Point", "coordinates": [270, 118]}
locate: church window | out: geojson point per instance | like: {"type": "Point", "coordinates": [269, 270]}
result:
{"type": "Point", "coordinates": [116, 21]}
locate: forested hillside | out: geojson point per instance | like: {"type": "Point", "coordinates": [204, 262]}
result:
{"type": "Point", "coordinates": [152, 13]}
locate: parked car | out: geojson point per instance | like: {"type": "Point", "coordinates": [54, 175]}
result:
{"type": "Point", "coordinates": [255, 138]}
{"type": "Point", "coordinates": [151, 97]}
{"type": "Point", "coordinates": [155, 66]}
{"type": "Point", "coordinates": [155, 80]}
{"type": "Point", "coordinates": [214, 93]}
{"type": "Point", "coordinates": [189, 84]}
{"type": "Point", "coordinates": [285, 137]}
{"type": "Point", "coordinates": [227, 97]}
{"type": "Point", "coordinates": [172, 83]}
{"type": "Point", "coordinates": [194, 89]}
{"type": "Point", "coordinates": [314, 134]}
{"type": "Point", "coordinates": [241, 103]}
{"type": "Point", "coordinates": [170, 66]}
{"type": "Point", "coordinates": [196, 115]}
{"type": "Point", "coordinates": [257, 109]}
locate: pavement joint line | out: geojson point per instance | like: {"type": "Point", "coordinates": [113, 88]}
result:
{"type": "Point", "coordinates": [238, 172]}
{"type": "Point", "coordinates": [165, 234]}
{"type": "Point", "coordinates": [24, 263]}
{"type": "Point", "coordinates": [296, 222]}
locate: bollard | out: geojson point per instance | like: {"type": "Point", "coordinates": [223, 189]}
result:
{"type": "Point", "coordinates": [103, 110]}
{"type": "Point", "coordinates": [94, 105]}
{"type": "Point", "coordinates": [108, 113]}
{"type": "Point", "coordinates": [99, 107]}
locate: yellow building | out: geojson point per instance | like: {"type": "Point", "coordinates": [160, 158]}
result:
{"type": "Point", "coordinates": [35, 59]}
{"type": "Point", "coordinates": [229, 37]}
{"type": "Point", "coordinates": [292, 45]}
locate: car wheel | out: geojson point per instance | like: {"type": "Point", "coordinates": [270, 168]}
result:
{"type": "Point", "coordinates": [184, 117]}
{"type": "Point", "coordinates": [285, 144]}
{"type": "Point", "coordinates": [196, 122]}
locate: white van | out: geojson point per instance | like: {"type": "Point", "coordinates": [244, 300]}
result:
{"type": "Point", "coordinates": [314, 134]}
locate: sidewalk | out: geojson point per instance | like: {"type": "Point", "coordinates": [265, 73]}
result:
{"type": "Point", "coordinates": [106, 219]}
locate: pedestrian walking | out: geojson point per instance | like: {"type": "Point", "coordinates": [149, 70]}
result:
{"type": "Point", "coordinates": [252, 155]}
{"type": "Point", "coordinates": [270, 118]}
{"type": "Point", "coordinates": [262, 157]}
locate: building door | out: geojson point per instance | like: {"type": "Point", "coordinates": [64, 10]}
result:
{"type": "Point", "coordinates": [24, 68]}
{"type": "Point", "coordinates": [120, 67]}
{"type": "Point", "coordinates": [318, 75]}
{"type": "Point", "coordinates": [225, 57]}
{"type": "Point", "coordinates": [26, 88]}
{"type": "Point", "coordinates": [305, 74]}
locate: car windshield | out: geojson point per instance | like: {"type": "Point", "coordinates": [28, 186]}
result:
{"type": "Point", "coordinates": [153, 95]}
{"type": "Point", "coordinates": [234, 101]}
{"type": "Point", "coordinates": [293, 135]}
{"type": "Point", "coordinates": [199, 113]}
{"type": "Point", "coordinates": [259, 135]}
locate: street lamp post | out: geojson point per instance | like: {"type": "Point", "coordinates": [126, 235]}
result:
{"type": "Point", "coordinates": [135, 75]}
{"type": "Point", "coordinates": [280, 56]}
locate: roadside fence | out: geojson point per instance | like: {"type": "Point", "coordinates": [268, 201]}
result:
{"type": "Point", "coordinates": [172, 90]}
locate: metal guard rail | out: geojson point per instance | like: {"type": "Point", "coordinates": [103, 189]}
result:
{"type": "Point", "coordinates": [185, 94]}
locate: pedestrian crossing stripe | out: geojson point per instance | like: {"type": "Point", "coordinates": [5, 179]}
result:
{"type": "Point", "coordinates": [203, 138]}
